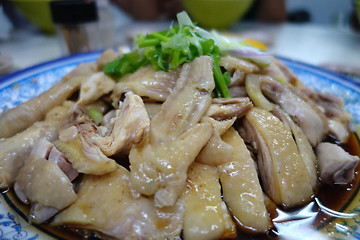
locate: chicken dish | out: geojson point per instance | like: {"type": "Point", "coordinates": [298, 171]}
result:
{"type": "Point", "coordinates": [189, 135]}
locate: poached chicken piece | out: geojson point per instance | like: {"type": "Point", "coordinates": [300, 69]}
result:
{"type": "Point", "coordinates": [309, 120]}
{"type": "Point", "coordinates": [336, 166]}
{"type": "Point", "coordinates": [85, 156]}
{"type": "Point", "coordinates": [159, 163]}
{"type": "Point", "coordinates": [24, 115]}
{"type": "Point", "coordinates": [305, 149]}
{"type": "Point", "coordinates": [283, 173]}
{"type": "Point", "coordinates": [128, 125]}
{"type": "Point", "coordinates": [233, 64]}
{"type": "Point", "coordinates": [44, 183]}
{"type": "Point", "coordinates": [97, 85]}
{"type": "Point", "coordinates": [14, 150]}
{"type": "Point", "coordinates": [226, 108]}
{"type": "Point", "coordinates": [241, 187]}
{"type": "Point", "coordinates": [333, 108]}
{"type": "Point", "coordinates": [128, 218]}
{"type": "Point", "coordinates": [220, 109]}
{"type": "Point", "coordinates": [254, 88]}
{"type": "Point", "coordinates": [89, 151]}
{"type": "Point", "coordinates": [280, 72]}
{"type": "Point", "coordinates": [206, 215]}
{"type": "Point", "coordinates": [155, 85]}
{"type": "Point", "coordinates": [216, 151]}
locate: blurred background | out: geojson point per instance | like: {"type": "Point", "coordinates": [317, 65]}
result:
{"type": "Point", "coordinates": [324, 33]}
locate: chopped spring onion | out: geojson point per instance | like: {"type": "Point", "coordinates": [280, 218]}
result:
{"type": "Point", "coordinates": [167, 50]}
{"type": "Point", "coordinates": [95, 115]}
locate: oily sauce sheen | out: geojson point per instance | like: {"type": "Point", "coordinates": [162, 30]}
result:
{"type": "Point", "coordinates": [334, 197]}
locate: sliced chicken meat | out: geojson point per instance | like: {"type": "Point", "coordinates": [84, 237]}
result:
{"type": "Point", "coordinates": [129, 218]}
{"type": "Point", "coordinates": [281, 73]}
{"type": "Point", "coordinates": [283, 173]}
{"type": "Point", "coordinates": [227, 108]}
{"type": "Point", "coordinates": [333, 108]}
{"type": "Point", "coordinates": [216, 151]}
{"type": "Point", "coordinates": [85, 156]}
{"type": "Point", "coordinates": [14, 150]}
{"type": "Point", "coordinates": [159, 163]}
{"type": "Point", "coordinates": [152, 109]}
{"type": "Point", "coordinates": [39, 214]}
{"type": "Point", "coordinates": [107, 122]}
{"type": "Point", "coordinates": [331, 105]}
{"type": "Point", "coordinates": [237, 78]}
{"type": "Point", "coordinates": [310, 121]}
{"type": "Point", "coordinates": [336, 166]}
{"type": "Point", "coordinates": [232, 64]}
{"type": "Point", "coordinates": [155, 85]}
{"type": "Point", "coordinates": [95, 86]}
{"type": "Point", "coordinates": [206, 215]}
{"type": "Point", "coordinates": [305, 149]}
{"type": "Point", "coordinates": [253, 86]}
{"type": "Point", "coordinates": [44, 184]}
{"type": "Point", "coordinates": [24, 115]}
{"type": "Point", "coordinates": [220, 109]}
{"type": "Point", "coordinates": [59, 158]}
{"type": "Point", "coordinates": [238, 91]}
{"type": "Point", "coordinates": [128, 125]}
{"type": "Point", "coordinates": [241, 188]}
{"type": "Point", "coordinates": [88, 146]}
{"type": "Point", "coordinates": [339, 130]}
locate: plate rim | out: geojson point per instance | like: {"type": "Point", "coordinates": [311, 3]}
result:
{"type": "Point", "coordinates": [13, 77]}
{"type": "Point", "coordinates": [343, 79]}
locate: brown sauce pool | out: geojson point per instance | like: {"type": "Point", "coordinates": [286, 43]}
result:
{"type": "Point", "coordinates": [297, 223]}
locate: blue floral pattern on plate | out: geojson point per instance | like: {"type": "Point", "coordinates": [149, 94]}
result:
{"type": "Point", "coordinates": [10, 229]}
{"type": "Point", "coordinates": [21, 86]}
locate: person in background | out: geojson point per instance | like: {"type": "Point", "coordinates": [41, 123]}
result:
{"type": "Point", "coordinates": [150, 9]}
{"type": "Point", "coordinates": [266, 10]}
{"type": "Point", "coordinates": [272, 11]}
